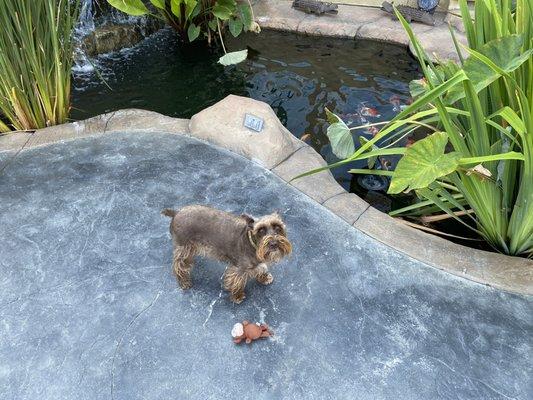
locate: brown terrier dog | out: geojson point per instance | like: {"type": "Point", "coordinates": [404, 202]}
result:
{"type": "Point", "coordinates": [249, 246]}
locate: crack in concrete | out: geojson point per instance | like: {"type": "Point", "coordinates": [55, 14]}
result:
{"type": "Point", "coordinates": [356, 36]}
{"type": "Point", "coordinates": [109, 120]}
{"type": "Point", "coordinates": [146, 308]}
{"type": "Point", "coordinates": [286, 158]}
{"type": "Point", "coordinates": [10, 160]}
{"type": "Point", "coordinates": [360, 215]}
{"type": "Point", "coordinates": [331, 197]}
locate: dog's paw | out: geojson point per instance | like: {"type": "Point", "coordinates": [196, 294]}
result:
{"type": "Point", "coordinates": [184, 285]}
{"type": "Point", "coordinates": [265, 279]}
{"type": "Point", "coordinates": [238, 298]}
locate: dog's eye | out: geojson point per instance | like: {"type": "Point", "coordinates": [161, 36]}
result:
{"type": "Point", "coordinates": [277, 228]}
{"type": "Point", "coordinates": [261, 230]}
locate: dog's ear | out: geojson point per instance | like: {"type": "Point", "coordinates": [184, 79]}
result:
{"type": "Point", "coordinates": [250, 221]}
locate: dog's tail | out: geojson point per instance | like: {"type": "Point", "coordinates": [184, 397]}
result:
{"type": "Point", "coordinates": [169, 212]}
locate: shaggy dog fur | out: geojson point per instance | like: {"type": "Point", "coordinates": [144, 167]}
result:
{"type": "Point", "coordinates": [249, 246]}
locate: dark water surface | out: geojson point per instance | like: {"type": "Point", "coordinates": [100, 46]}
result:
{"type": "Point", "coordinates": [297, 75]}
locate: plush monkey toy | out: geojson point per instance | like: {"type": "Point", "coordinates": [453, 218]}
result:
{"type": "Point", "coordinates": [249, 332]}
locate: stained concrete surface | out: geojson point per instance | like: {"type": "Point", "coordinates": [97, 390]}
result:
{"type": "Point", "coordinates": [89, 308]}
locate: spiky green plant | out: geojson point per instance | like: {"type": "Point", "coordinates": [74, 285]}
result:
{"type": "Point", "coordinates": [35, 62]}
{"type": "Point", "coordinates": [481, 108]}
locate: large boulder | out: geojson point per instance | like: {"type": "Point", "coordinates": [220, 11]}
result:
{"type": "Point", "coordinates": [115, 36]}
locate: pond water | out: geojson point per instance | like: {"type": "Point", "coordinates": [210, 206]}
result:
{"type": "Point", "coordinates": [297, 75]}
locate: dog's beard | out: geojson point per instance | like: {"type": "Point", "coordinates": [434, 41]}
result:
{"type": "Point", "coordinates": [266, 253]}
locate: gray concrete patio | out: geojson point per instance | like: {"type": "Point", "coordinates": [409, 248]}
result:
{"type": "Point", "coordinates": [89, 308]}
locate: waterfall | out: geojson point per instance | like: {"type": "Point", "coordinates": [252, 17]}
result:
{"type": "Point", "coordinates": [84, 26]}
{"type": "Point", "coordinates": [93, 14]}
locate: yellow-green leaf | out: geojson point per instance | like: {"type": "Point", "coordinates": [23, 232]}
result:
{"type": "Point", "coordinates": [131, 7]}
{"type": "Point", "coordinates": [158, 3]}
{"type": "Point", "coordinates": [423, 163]}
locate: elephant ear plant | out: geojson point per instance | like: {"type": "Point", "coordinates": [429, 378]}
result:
{"type": "Point", "coordinates": [192, 19]}
{"type": "Point", "coordinates": [35, 61]}
{"type": "Point", "coordinates": [477, 164]}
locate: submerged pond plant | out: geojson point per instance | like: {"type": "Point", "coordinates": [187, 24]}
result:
{"type": "Point", "coordinates": [35, 62]}
{"type": "Point", "coordinates": [193, 19]}
{"type": "Point", "coordinates": [477, 164]}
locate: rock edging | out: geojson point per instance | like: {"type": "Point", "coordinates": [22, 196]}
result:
{"type": "Point", "coordinates": [275, 149]}
{"type": "Point", "coordinates": [357, 22]}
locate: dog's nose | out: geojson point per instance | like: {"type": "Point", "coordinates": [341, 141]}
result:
{"type": "Point", "coordinates": [273, 244]}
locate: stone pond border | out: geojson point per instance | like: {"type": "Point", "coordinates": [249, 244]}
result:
{"type": "Point", "coordinates": [277, 150]}
{"type": "Point", "coordinates": [360, 22]}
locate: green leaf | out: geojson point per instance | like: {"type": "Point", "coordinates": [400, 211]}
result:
{"type": "Point", "coordinates": [504, 53]}
{"type": "Point", "coordinates": [512, 118]}
{"type": "Point", "coordinates": [175, 7]}
{"type": "Point", "coordinates": [234, 57]}
{"type": "Point", "coordinates": [423, 163]}
{"type": "Point", "coordinates": [511, 155]}
{"type": "Point", "coordinates": [331, 117]}
{"type": "Point", "coordinates": [158, 3]}
{"type": "Point", "coordinates": [371, 161]}
{"type": "Point", "coordinates": [371, 172]}
{"type": "Point", "coordinates": [418, 87]}
{"type": "Point", "coordinates": [212, 24]}
{"type": "Point", "coordinates": [224, 9]}
{"type": "Point", "coordinates": [231, 4]}
{"type": "Point", "coordinates": [131, 7]}
{"type": "Point", "coordinates": [193, 32]}
{"type": "Point", "coordinates": [341, 139]}
{"type": "Point", "coordinates": [246, 15]}
{"type": "Point", "coordinates": [235, 26]}
{"type": "Point", "coordinates": [190, 7]}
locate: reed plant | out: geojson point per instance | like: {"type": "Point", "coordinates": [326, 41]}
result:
{"type": "Point", "coordinates": [477, 164]}
{"type": "Point", "coordinates": [36, 50]}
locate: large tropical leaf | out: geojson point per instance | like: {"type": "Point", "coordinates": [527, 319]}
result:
{"type": "Point", "coordinates": [131, 7]}
{"type": "Point", "coordinates": [234, 57]}
{"type": "Point", "coordinates": [505, 53]}
{"type": "Point", "coordinates": [423, 163]}
{"type": "Point", "coordinates": [339, 136]}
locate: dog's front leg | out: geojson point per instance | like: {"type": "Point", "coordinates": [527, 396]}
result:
{"type": "Point", "coordinates": [235, 282]}
{"type": "Point", "coordinates": [262, 275]}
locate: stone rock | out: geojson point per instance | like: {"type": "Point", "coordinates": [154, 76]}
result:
{"type": "Point", "coordinates": [113, 37]}
{"type": "Point", "coordinates": [223, 124]}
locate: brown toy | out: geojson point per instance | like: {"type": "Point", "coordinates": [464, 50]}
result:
{"type": "Point", "coordinates": [249, 332]}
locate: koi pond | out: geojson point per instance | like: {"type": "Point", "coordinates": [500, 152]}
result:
{"type": "Point", "coordinates": [298, 76]}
